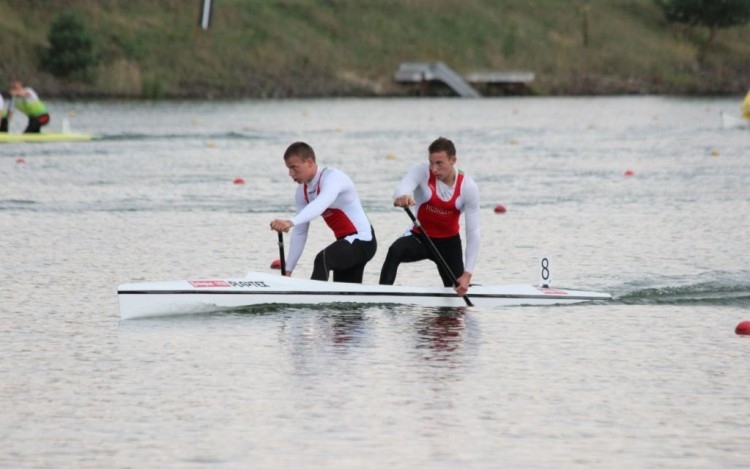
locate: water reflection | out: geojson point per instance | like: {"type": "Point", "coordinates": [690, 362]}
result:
{"type": "Point", "coordinates": [442, 332]}
{"type": "Point", "coordinates": [345, 329]}
{"type": "Point", "coordinates": [311, 336]}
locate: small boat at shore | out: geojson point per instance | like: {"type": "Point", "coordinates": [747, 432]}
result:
{"type": "Point", "coordinates": [729, 121]}
{"type": "Point", "coordinates": [180, 297]}
{"type": "Point", "coordinates": [44, 137]}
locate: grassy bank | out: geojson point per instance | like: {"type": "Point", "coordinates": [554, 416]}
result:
{"type": "Point", "coordinates": [301, 48]}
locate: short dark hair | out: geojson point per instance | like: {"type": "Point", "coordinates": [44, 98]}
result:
{"type": "Point", "coordinates": [442, 144]}
{"type": "Point", "coordinates": [300, 149]}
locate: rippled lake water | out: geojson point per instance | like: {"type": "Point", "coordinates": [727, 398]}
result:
{"type": "Point", "coordinates": [655, 378]}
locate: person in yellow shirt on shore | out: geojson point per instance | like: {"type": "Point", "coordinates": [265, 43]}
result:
{"type": "Point", "coordinates": [27, 101]}
{"type": "Point", "coordinates": [746, 106]}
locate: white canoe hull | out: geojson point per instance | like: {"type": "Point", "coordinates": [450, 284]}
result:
{"type": "Point", "coordinates": [179, 297]}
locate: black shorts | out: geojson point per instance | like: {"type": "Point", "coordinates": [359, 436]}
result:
{"type": "Point", "coordinates": [346, 260]}
{"type": "Point", "coordinates": [413, 248]}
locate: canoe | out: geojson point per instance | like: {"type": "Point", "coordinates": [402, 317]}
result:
{"type": "Point", "coordinates": [179, 297]}
{"type": "Point", "coordinates": [44, 137]}
{"type": "Point", "coordinates": [729, 121]}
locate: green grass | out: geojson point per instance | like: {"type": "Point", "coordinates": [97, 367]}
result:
{"type": "Point", "coordinates": [283, 48]}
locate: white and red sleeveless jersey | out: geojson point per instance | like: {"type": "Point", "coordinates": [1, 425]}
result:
{"type": "Point", "coordinates": [331, 195]}
{"type": "Point", "coordinates": [439, 206]}
{"type": "Point", "coordinates": [439, 218]}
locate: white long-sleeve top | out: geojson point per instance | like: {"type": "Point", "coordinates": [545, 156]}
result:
{"type": "Point", "coordinates": [415, 183]}
{"type": "Point", "coordinates": [330, 188]}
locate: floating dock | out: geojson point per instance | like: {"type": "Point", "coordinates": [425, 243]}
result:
{"type": "Point", "coordinates": [424, 75]}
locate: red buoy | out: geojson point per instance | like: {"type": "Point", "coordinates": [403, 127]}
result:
{"type": "Point", "coordinates": [629, 172]}
{"type": "Point", "coordinates": [743, 328]}
{"type": "Point", "coordinates": [239, 181]}
{"type": "Point", "coordinates": [499, 208]}
{"type": "Point", "coordinates": [20, 161]}
{"type": "Point", "coordinates": [276, 264]}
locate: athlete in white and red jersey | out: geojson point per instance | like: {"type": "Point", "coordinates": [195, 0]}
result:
{"type": "Point", "coordinates": [329, 193]}
{"type": "Point", "coordinates": [441, 194]}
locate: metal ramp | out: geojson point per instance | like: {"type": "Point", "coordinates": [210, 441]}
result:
{"type": "Point", "coordinates": [424, 72]}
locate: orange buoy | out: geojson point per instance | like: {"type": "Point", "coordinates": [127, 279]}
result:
{"type": "Point", "coordinates": [499, 208]}
{"type": "Point", "coordinates": [742, 328]}
{"type": "Point", "coordinates": [276, 264]}
{"type": "Point", "coordinates": [629, 172]}
{"type": "Point", "coordinates": [239, 181]}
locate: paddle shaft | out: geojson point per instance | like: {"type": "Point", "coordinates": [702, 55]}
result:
{"type": "Point", "coordinates": [436, 253]}
{"type": "Point", "coordinates": [282, 261]}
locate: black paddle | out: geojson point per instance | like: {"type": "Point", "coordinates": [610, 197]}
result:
{"type": "Point", "coordinates": [10, 110]}
{"type": "Point", "coordinates": [436, 253]}
{"type": "Point", "coordinates": [282, 261]}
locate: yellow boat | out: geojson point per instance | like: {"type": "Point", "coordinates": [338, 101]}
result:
{"type": "Point", "coordinates": [44, 137]}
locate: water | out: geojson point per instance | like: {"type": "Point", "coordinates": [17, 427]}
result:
{"type": "Point", "coordinates": [656, 378]}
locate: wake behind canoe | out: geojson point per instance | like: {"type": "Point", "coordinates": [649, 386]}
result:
{"type": "Point", "coordinates": [729, 121]}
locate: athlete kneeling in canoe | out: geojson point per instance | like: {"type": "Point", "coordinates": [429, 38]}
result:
{"type": "Point", "coordinates": [27, 101]}
{"type": "Point", "coordinates": [441, 193]}
{"type": "Point", "coordinates": [330, 193]}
